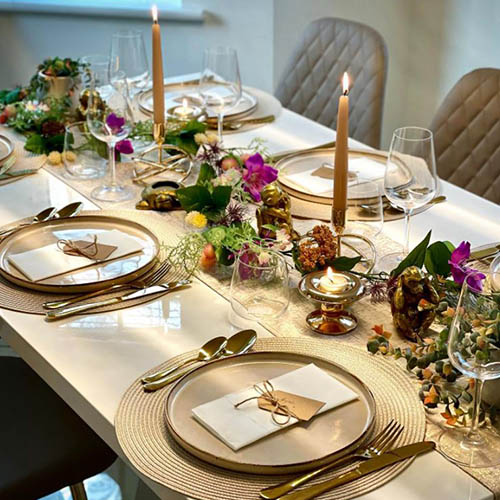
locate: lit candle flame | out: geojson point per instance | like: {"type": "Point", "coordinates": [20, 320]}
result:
{"type": "Point", "coordinates": [184, 103]}
{"type": "Point", "coordinates": [330, 274]}
{"type": "Point", "coordinates": [154, 11]}
{"type": "Point", "coordinates": [345, 83]}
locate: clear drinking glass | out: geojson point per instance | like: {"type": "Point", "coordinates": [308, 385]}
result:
{"type": "Point", "coordinates": [128, 54]}
{"type": "Point", "coordinates": [220, 82]}
{"type": "Point", "coordinates": [110, 126]}
{"type": "Point", "coordinates": [473, 350]}
{"type": "Point", "coordinates": [259, 286]}
{"type": "Point", "coordinates": [81, 157]}
{"type": "Point", "coordinates": [410, 179]}
{"type": "Point", "coordinates": [365, 214]}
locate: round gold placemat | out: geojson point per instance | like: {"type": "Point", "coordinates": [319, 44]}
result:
{"type": "Point", "coordinates": [144, 438]}
{"type": "Point", "coordinates": [19, 299]}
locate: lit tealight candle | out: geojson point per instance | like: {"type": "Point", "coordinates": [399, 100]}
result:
{"type": "Point", "coordinates": [332, 282]}
{"type": "Point", "coordinates": [184, 111]}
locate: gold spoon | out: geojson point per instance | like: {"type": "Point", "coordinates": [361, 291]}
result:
{"type": "Point", "coordinates": [46, 214]}
{"type": "Point", "coordinates": [208, 351]}
{"type": "Point", "coordinates": [70, 210]}
{"type": "Point", "coordinates": [239, 343]}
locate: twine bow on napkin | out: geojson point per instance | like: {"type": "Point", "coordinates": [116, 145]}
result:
{"type": "Point", "coordinates": [277, 407]}
{"type": "Point", "coordinates": [70, 247]}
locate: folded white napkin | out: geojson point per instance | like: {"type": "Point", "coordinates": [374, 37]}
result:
{"type": "Point", "coordinates": [364, 168]}
{"type": "Point", "coordinates": [239, 427]}
{"type": "Point", "coordinates": [49, 261]}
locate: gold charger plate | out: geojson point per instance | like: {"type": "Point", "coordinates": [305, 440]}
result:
{"type": "Point", "coordinates": [174, 93]}
{"type": "Point", "coordinates": [313, 160]}
{"type": "Point", "coordinates": [297, 448]}
{"type": "Point", "coordinates": [88, 279]}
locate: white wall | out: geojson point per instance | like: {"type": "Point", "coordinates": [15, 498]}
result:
{"type": "Point", "coordinates": [431, 43]}
{"type": "Point", "coordinates": [26, 39]}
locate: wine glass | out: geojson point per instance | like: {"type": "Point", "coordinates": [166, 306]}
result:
{"type": "Point", "coordinates": [128, 54]}
{"type": "Point", "coordinates": [99, 66]}
{"type": "Point", "coordinates": [259, 285]}
{"type": "Point", "coordinates": [410, 179]}
{"type": "Point", "coordinates": [109, 124]}
{"type": "Point", "coordinates": [220, 82]}
{"type": "Point", "coordinates": [473, 350]}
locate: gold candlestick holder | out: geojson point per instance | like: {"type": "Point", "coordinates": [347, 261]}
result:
{"type": "Point", "coordinates": [331, 318]}
{"type": "Point", "coordinates": [159, 138]}
{"type": "Point", "coordinates": [338, 223]}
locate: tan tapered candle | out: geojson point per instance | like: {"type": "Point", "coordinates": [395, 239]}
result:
{"type": "Point", "coordinates": [158, 92]}
{"type": "Point", "coordinates": [341, 150]}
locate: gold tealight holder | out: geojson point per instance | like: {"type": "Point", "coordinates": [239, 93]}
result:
{"type": "Point", "coordinates": [331, 318]}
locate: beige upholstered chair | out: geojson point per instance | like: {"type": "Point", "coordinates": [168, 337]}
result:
{"type": "Point", "coordinates": [311, 83]}
{"type": "Point", "coordinates": [467, 134]}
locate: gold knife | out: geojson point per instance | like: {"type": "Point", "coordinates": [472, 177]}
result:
{"type": "Point", "coordinates": [372, 465]}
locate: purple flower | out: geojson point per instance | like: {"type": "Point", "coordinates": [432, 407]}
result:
{"type": "Point", "coordinates": [125, 147]}
{"type": "Point", "coordinates": [461, 272]}
{"type": "Point", "coordinates": [115, 123]}
{"type": "Point", "coordinates": [257, 175]}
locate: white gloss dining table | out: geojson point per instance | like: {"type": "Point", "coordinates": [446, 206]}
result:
{"type": "Point", "coordinates": [91, 360]}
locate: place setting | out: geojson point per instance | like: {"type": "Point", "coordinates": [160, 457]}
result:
{"type": "Point", "coordinates": [64, 262]}
{"type": "Point", "coordinates": [238, 421]}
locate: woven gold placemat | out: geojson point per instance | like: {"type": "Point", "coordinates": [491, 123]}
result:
{"type": "Point", "coordinates": [144, 438]}
{"type": "Point", "coordinates": [20, 299]}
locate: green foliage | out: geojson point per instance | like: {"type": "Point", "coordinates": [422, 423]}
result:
{"type": "Point", "coordinates": [11, 96]}
{"type": "Point", "coordinates": [203, 196]}
{"type": "Point", "coordinates": [436, 258]}
{"type": "Point", "coordinates": [229, 240]}
{"type": "Point", "coordinates": [183, 136]}
{"type": "Point", "coordinates": [61, 67]}
{"type": "Point", "coordinates": [35, 144]}
{"type": "Point", "coordinates": [345, 263]}
{"type": "Point", "coordinates": [415, 258]}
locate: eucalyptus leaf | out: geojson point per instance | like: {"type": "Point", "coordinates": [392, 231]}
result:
{"type": "Point", "coordinates": [415, 258]}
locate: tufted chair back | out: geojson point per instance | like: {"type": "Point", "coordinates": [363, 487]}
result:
{"type": "Point", "coordinates": [467, 134]}
{"type": "Point", "coordinates": [312, 81]}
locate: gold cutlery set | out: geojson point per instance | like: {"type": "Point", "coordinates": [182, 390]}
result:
{"type": "Point", "coordinates": [142, 287]}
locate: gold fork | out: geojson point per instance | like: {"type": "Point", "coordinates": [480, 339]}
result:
{"type": "Point", "coordinates": [152, 277]}
{"type": "Point", "coordinates": [378, 445]}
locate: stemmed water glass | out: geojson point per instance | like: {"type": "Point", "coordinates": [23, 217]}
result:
{"type": "Point", "coordinates": [473, 350]}
{"type": "Point", "coordinates": [110, 125]}
{"type": "Point", "coordinates": [410, 179]}
{"type": "Point", "coordinates": [220, 82]}
{"type": "Point", "coordinates": [128, 54]}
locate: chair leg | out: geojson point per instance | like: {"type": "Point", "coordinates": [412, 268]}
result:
{"type": "Point", "coordinates": [78, 491]}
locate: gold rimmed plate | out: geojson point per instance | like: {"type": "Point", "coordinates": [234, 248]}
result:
{"type": "Point", "coordinates": [297, 448]}
{"type": "Point", "coordinates": [6, 148]}
{"type": "Point", "coordinates": [175, 93]}
{"type": "Point", "coordinates": [309, 175]}
{"type": "Point", "coordinates": [93, 277]}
